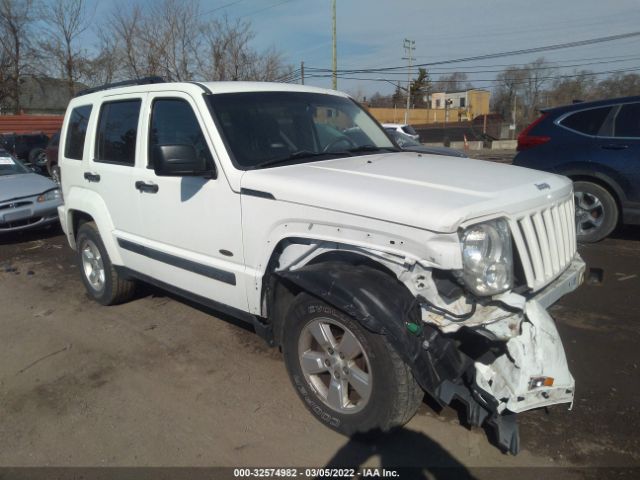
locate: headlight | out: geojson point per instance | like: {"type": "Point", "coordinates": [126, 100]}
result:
{"type": "Point", "coordinates": [50, 195]}
{"type": "Point", "coordinates": [487, 257]}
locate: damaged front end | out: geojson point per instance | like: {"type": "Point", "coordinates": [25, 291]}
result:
{"type": "Point", "coordinates": [515, 359]}
{"type": "Point", "coordinates": [499, 356]}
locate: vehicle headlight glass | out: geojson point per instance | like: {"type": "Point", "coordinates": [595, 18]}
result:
{"type": "Point", "coordinates": [487, 257]}
{"type": "Point", "coordinates": [53, 194]}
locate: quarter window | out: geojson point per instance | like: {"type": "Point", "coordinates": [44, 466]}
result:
{"type": "Point", "coordinates": [173, 122]}
{"type": "Point", "coordinates": [77, 132]}
{"type": "Point", "coordinates": [628, 121]}
{"type": "Point", "coordinates": [587, 121]}
{"type": "Point", "coordinates": [117, 132]}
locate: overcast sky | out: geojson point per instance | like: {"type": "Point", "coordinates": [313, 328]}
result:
{"type": "Point", "coordinates": [371, 33]}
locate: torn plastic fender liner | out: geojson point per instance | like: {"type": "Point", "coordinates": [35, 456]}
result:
{"type": "Point", "coordinates": [383, 305]}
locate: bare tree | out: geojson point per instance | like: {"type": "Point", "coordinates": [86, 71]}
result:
{"type": "Point", "coordinates": [16, 19]}
{"type": "Point", "coordinates": [578, 86]}
{"type": "Point", "coordinates": [619, 85]}
{"type": "Point", "coordinates": [538, 74]}
{"type": "Point", "coordinates": [453, 82]}
{"type": "Point", "coordinates": [66, 21]}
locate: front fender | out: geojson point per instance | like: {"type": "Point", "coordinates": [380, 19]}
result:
{"type": "Point", "coordinates": [385, 306]}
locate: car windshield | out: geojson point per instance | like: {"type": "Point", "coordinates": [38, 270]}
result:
{"type": "Point", "coordinates": [10, 166]}
{"type": "Point", "coordinates": [408, 129]}
{"type": "Point", "coordinates": [403, 140]}
{"type": "Point", "coordinates": [264, 129]}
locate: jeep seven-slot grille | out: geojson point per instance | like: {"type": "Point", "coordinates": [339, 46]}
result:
{"type": "Point", "coordinates": [546, 241]}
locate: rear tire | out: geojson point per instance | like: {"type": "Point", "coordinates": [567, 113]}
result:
{"type": "Point", "coordinates": [103, 282]}
{"type": "Point", "coordinates": [354, 383]}
{"type": "Point", "coordinates": [596, 212]}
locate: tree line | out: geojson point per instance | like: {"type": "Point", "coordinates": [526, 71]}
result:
{"type": "Point", "coordinates": [173, 39]}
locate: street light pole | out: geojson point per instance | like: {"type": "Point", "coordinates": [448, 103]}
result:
{"type": "Point", "coordinates": [409, 47]}
{"type": "Point", "coordinates": [335, 53]}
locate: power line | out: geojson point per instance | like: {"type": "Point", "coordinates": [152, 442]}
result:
{"type": "Point", "coordinates": [250, 14]}
{"type": "Point", "coordinates": [221, 7]}
{"type": "Point", "coordinates": [522, 66]}
{"type": "Point", "coordinates": [520, 82]}
{"type": "Point", "coordinates": [546, 48]}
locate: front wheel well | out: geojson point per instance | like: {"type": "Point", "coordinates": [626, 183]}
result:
{"type": "Point", "coordinates": [79, 217]}
{"type": "Point", "coordinates": [280, 293]}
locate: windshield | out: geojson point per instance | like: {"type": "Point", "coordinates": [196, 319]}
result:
{"type": "Point", "coordinates": [408, 129]}
{"type": "Point", "coordinates": [10, 166]}
{"type": "Point", "coordinates": [403, 140]}
{"type": "Point", "coordinates": [272, 128]}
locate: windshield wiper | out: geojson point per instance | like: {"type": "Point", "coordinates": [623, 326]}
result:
{"type": "Point", "coordinates": [295, 156]}
{"type": "Point", "coordinates": [372, 148]}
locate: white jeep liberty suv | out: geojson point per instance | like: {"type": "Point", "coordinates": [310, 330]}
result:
{"type": "Point", "coordinates": [380, 274]}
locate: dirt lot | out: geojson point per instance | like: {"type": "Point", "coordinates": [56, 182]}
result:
{"type": "Point", "coordinates": [158, 381]}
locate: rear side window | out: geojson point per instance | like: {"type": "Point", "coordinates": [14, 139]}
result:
{"type": "Point", "coordinates": [587, 121]}
{"type": "Point", "coordinates": [76, 132]}
{"type": "Point", "coordinates": [627, 122]}
{"type": "Point", "coordinates": [117, 132]}
{"type": "Point", "coordinates": [409, 130]}
{"type": "Point", "coordinates": [173, 122]}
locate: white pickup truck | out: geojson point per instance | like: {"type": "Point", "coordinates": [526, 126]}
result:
{"type": "Point", "coordinates": [380, 274]}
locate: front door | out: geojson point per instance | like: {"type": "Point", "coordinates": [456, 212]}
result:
{"type": "Point", "coordinates": [191, 226]}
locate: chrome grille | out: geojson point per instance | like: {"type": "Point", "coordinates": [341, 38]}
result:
{"type": "Point", "coordinates": [546, 241]}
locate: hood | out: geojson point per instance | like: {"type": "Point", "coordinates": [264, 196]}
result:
{"type": "Point", "coordinates": [433, 192]}
{"type": "Point", "coordinates": [23, 185]}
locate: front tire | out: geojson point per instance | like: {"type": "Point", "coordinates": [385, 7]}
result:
{"type": "Point", "coordinates": [352, 380]}
{"type": "Point", "coordinates": [596, 212]}
{"type": "Point", "coordinates": [102, 281]}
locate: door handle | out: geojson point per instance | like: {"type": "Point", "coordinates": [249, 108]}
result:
{"type": "Point", "coordinates": [91, 177]}
{"type": "Point", "coordinates": [614, 146]}
{"type": "Point", "coordinates": [147, 187]}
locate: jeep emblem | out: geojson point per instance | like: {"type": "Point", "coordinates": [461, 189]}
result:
{"type": "Point", "coordinates": [543, 186]}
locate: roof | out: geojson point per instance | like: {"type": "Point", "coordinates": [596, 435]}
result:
{"type": "Point", "coordinates": [463, 91]}
{"type": "Point", "coordinates": [208, 87]}
{"type": "Point", "coordinates": [592, 104]}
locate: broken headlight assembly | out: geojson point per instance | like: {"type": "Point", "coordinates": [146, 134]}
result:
{"type": "Point", "coordinates": [487, 257]}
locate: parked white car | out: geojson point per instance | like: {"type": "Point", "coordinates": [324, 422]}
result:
{"type": "Point", "coordinates": [402, 128]}
{"type": "Point", "coordinates": [381, 274]}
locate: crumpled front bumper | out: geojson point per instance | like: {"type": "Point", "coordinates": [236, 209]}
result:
{"type": "Point", "coordinates": [537, 353]}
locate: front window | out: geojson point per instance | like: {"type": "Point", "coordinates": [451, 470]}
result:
{"type": "Point", "coordinates": [264, 129]}
{"type": "Point", "coordinates": [10, 166]}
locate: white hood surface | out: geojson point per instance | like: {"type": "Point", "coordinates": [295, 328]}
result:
{"type": "Point", "coordinates": [432, 192]}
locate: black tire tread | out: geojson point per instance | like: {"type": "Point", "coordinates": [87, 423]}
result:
{"type": "Point", "coordinates": [410, 394]}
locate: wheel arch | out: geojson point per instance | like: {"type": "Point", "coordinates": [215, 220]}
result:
{"type": "Point", "coordinates": [605, 182]}
{"type": "Point", "coordinates": [84, 205]}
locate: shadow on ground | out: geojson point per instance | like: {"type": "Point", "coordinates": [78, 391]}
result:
{"type": "Point", "coordinates": [411, 453]}
{"type": "Point", "coordinates": [25, 236]}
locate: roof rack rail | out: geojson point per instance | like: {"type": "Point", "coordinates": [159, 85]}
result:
{"type": "Point", "coordinates": [124, 83]}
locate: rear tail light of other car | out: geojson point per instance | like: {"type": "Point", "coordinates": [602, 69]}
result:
{"type": "Point", "coordinates": [526, 140]}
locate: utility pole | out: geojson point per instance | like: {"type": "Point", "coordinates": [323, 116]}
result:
{"type": "Point", "coordinates": [302, 73]}
{"type": "Point", "coordinates": [335, 52]}
{"type": "Point", "coordinates": [409, 47]}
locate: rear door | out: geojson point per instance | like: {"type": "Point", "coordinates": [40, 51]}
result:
{"type": "Point", "coordinates": [109, 171]}
{"type": "Point", "coordinates": [619, 146]}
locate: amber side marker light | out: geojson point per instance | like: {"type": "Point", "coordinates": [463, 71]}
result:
{"type": "Point", "coordinates": [537, 382]}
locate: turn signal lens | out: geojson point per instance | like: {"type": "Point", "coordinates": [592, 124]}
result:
{"type": "Point", "coordinates": [537, 382]}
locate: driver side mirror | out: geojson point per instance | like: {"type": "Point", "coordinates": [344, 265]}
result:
{"type": "Point", "coordinates": [180, 161]}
